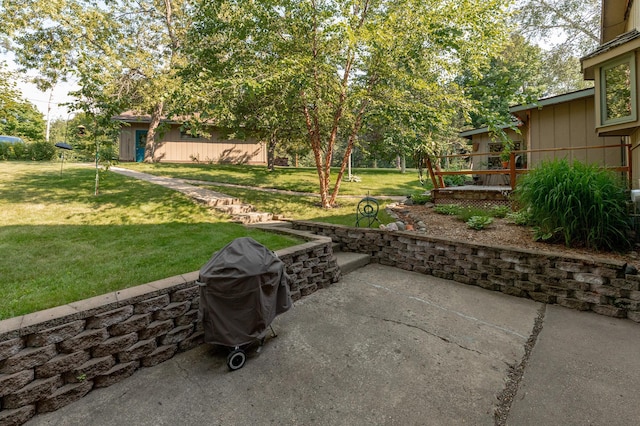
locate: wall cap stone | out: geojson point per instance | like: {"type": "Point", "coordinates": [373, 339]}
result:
{"type": "Point", "coordinates": [82, 309]}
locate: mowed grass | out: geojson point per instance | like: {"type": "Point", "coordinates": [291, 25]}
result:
{"type": "Point", "coordinates": [305, 207]}
{"type": "Point", "coordinates": [59, 243]}
{"type": "Point", "coordinates": [376, 182]}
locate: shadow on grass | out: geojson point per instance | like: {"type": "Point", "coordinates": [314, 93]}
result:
{"type": "Point", "coordinates": [78, 184]}
{"type": "Point", "coordinates": [47, 266]}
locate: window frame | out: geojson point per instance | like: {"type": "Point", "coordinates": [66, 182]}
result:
{"type": "Point", "coordinates": [625, 59]}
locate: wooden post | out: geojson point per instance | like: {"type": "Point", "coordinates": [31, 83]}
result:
{"type": "Point", "coordinates": [630, 166]}
{"type": "Point", "coordinates": [431, 174]}
{"type": "Point", "coordinates": [512, 170]}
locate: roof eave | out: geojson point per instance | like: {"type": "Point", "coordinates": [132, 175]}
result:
{"type": "Point", "coordinates": [565, 97]}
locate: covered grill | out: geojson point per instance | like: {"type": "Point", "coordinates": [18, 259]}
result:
{"type": "Point", "coordinates": [242, 289]}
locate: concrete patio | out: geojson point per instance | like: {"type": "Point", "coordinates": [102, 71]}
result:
{"type": "Point", "coordinates": [386, 346]}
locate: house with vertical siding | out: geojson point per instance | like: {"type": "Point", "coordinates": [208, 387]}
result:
{"type": "Point", "coordinates": [613, 67]}
{"type": "Point", "coordinates": [557, 122]}
{"type": "Point", "coordinates": [603, 116]}
{"type": "Point", "coordinates": [175, 144]}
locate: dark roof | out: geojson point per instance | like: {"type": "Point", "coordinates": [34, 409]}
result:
{"type": "Point", "coordinates": [467, 133]}
{"type": "Point", "coordinates": [136, 117]}
{"type": "Point", "coordinates": [618, 41]}
{"type": "Point", "coordinates": [10, 139]}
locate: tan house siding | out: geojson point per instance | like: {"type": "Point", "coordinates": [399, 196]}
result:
{"type": "Point", "coordinates": [483, 143]}
{"type": "Point", "coordinates": [570, 125]}
{"type": "Point", "coordinates": [557, 124]}
{"type": "Point", "coordinates": [634, 17]}
{"type": "Point", "coordinates": [174, 148]}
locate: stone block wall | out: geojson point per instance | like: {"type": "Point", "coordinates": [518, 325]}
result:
{"type": "Point", "coordinates": [578, 282]}
{"type": "Point", "coordinates": [51, 358]}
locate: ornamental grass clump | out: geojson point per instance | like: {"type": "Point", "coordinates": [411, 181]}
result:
{"type": "Point", "coordinates": [579, 204]}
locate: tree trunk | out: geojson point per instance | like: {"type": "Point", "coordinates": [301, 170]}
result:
{"type": "Point", "coordinates": [403, 164]}
{"type": "Point", "coordinates": [313, 127]}
{"type": "Point", "coordinates": [271, 152]}
{"type": "Point", "coordinates": [345, 159]}
{"type": "Point", "coordinates": [150, 148]}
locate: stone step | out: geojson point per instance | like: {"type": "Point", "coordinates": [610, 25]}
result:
{"type": "Point", "coordinates": [215, 202]}
{"type": "Point", "coordinates": [252, 217]}
{"type": "Point", "coordinates": [349, 261]}
{"type": "Point", "coordinates": [234, 209]}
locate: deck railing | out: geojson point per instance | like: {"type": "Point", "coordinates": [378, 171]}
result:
{"type": "Point", "coordinates": [436, 174]}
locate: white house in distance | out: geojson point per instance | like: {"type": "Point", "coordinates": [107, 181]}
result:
{"type": "Point", "coordinates": [174, 145]}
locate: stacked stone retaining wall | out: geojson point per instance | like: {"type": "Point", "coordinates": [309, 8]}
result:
{"type": "Point", "coordinates": [51, 358]}
{"type": "Point", "coordinates": [578, 282]}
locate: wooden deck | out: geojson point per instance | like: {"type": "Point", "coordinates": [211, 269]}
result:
{"type": "Point", "coordinates": [473, 195]}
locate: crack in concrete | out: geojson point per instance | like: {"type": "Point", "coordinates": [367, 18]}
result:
{"type": "Point", "coordinates": [443, 308]}
{"type": "Point", "coordinates": [516, 372]}
{"type": "Point", "coordinates": [444, 339]}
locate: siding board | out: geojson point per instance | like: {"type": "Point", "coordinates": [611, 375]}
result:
{"type": "Point", "coordinates": [176, 149]}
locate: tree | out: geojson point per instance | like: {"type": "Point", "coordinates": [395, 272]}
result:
{"type": "Point", "coordinates": [124, 53]}
{"type": "Point", "coordinates": [18, 117]}
{"type": "Point", "coordinates": [569, 29]}
{"type": "Point", "coordinates": [333, 63]}
{"type": "Point", "coordinates": [514, 76]}
{"type": "Point", "coordinates": [575, 23]}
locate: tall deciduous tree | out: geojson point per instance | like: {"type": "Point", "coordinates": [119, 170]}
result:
{"type": "Point", "coordinates": [573, 23]}
{"type": "Point", "coordinates": [123, 52]}
{"type": "Point", "coordinates": [333, 63]}
{"type": "Point", "coordinates": [18, 117]}
{"type": "Point", "coordinates": [568, 29]}
{"type": "Point", "coordinates": [513, 76]}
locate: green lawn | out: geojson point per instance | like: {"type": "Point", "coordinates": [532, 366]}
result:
{"type": "Point", "coordinates": [376, 182]}
{"type": "Point", "coordinates": [60, 243]}
{"type": "Point", "coordinates": [302, 208]}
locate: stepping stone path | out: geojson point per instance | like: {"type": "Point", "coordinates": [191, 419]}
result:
{"type": "Point", "coordinates": [240, 212]}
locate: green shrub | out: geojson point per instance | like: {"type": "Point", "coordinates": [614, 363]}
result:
{"type": "Point", "coordinates": [582, 205]}
{"type": "Point", "coordinates": [454, 180]}
{"type": "Point", "coordinates": [521, 217]}
{"type": "Point", "coordinates": [500, 211]}
{"type": "Point", "coordinates": [467, 213]}
{"type": "Point", "coordinates": [36, 151]}
{"type": "Point", "coordinates": [448, 209]}
{"type": "Point", "coordinates": [479, 222]}
{"type": "Point", "coordinates": [5, 150]}
{"type": "Point", "coordinates": [420, 198]}
{"type": "Point", "coordinates": [41, 151]}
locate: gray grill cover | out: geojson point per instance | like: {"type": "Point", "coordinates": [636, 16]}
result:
{"type": "Point", "coordinates": [242, 289]}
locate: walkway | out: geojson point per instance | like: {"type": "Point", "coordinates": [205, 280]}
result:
{"type": "Point", "coordinates": [240, 212]}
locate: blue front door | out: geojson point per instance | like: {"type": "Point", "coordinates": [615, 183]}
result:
{"type": "Point", "coordinates": [141, 143]}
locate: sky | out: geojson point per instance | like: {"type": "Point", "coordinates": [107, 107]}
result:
{"type": "Point", "coordinates": [42, 100]}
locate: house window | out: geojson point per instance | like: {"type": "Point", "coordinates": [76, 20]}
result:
{"type": "Point", "coordinates": [618, 87]}
{"type": "Point", "coordinates": [494, 161]}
